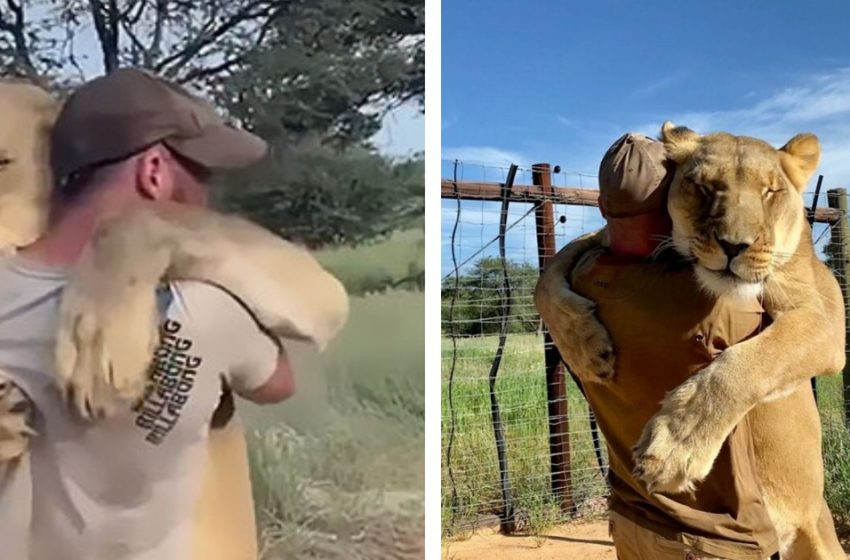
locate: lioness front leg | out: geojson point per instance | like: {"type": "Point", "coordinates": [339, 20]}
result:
{"type": "Point", "coordinates": [582, 340]}
{"type": "Point", "coordinates": [680, 443]}
{"type": "Point", "coordinates": [108, 314]}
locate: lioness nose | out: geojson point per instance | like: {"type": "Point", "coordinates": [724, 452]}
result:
{"type": "Point", "coordinates": [732, 250]}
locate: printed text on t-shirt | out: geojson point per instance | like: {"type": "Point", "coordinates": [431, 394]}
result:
{"type": "Point", "coordinates": [172, 376]}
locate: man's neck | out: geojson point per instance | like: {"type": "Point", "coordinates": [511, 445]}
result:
{"type": "Point", "coordinates": [71, 228]}
{"type": "Point", "coordinates": [637, 236]}
{"type": "Point", "coordinates": [630, 247]}
{"type": "Point", "coordinates": [63, 243]}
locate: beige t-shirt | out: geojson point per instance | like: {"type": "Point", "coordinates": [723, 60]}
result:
{"type": "Point", "coordinates": [122, 488]}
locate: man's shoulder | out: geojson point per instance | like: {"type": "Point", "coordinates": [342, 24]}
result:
{"type": "Point", "coordinates": [587, 262]}
{"type": "Point", "coordinates": [28, 293]}
{"type": "Point", "coordinates": [199, 289]}
{"type": "Point", "coordinates": [600, 274]}
{"type": "Point", "coordinates": [600, 260]}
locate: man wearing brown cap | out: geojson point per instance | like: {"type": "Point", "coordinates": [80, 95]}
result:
{"type": "Point", "coordinates": [643, 295]}
{"type": "Point", "coordinates": [127, 487]}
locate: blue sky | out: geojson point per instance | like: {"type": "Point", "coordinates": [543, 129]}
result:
{"type": "Point", "coordinates": [558, 81]}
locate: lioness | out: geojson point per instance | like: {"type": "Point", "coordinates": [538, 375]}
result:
{"type": "Point", "coordinates": [737, 212]}
{"type": "Point", "coordinates": [110, 308]}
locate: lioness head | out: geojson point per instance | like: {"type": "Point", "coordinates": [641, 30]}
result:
{"type": "Point", "coordinates": [28, 113]}
{"type": "Point", "coordinates": [736, 204]}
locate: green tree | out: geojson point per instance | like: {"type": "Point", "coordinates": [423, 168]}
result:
{"type": "Point", "coordinates": [477, 306]}
{"type": "Point", "coordinates": [324, 196]}
{"type": "Point", "coordinates": [300, 67]}
{"type": "Point", "coordinates": [342, 64]}
{"type": "Point", "coordinates": [312, 78]}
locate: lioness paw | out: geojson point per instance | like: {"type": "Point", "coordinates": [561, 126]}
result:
{"type": "Point", "coordinates": [15, 431]}
{"type": "Point", "coordinates": [105, 342]}
{"type": "Point", "coordinates": [679, 445]}
{"type": "Point", "coordinates": [584, 343]}
{"type": "Point", "coordinates": [599, 350]}
{"type": "Point", "coordinates": [662, 463]}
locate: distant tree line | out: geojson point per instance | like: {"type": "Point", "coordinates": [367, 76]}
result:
{"type": "Point", "coordinates": [477, 307]}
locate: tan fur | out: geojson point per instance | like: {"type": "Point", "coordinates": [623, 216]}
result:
{"type": "Point", "coordinates": [743, 192]}
{"type": "Point", "coordinates": [15, 412]}
{"type": "Point", "coordinates": [570, 317]}
{"type": "Point", "coordinates": [225, 528]}
{"type": "Point", "coordinates": [27, 113]}
{"type": "Point", "coordinates": [108, 314]}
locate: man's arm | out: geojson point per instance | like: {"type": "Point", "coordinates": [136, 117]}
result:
{"type": "Point", "coordinates": [257, 365]}
{"type": "Point", "coordinates": [280, 386]}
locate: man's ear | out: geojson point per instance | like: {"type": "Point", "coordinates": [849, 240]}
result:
{"type": "Point", "coordinates": [154, 179]}
{"type": "Point", "coordinates": [680, 141]}
{"type": "Point", "coordinates": [800, 157]}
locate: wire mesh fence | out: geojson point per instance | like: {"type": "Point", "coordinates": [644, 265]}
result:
{"type": "Point", "coordinates": [475, 313]}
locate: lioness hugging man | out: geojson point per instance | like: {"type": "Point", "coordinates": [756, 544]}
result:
{"type": "Point", "coordinates": [729, 316]}
{"type": "Point", "coordinates": [145, 311]}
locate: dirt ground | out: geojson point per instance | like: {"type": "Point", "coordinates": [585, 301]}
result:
{"type": "Point", "coordinates": [575, 541]}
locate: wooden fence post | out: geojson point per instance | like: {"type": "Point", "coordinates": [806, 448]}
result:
{"type": "Point", "coordinates": [840, 240]}
{"type": "Point", "coordinates": [556, 383]}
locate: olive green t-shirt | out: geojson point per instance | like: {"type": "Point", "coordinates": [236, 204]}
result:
{"type": "Point", "coordinates": [665, 328]}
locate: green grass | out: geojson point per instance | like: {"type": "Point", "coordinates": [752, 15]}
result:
{"type": "Point", "coordinates": [397, 261]}
{"type": "Point", "coordinates": [521, 391]}
{"type": "Point", "coordinates": [836, 451]}
{"type": "Point", "coordinates": [345, 456]}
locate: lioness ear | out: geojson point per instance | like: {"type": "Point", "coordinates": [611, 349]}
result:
{"type": "Point", "coordinates": [800, 157]}
{"type": "Point", "coordinates": [679, 141]}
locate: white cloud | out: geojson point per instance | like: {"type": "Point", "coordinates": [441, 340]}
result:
{"type": "Point", "coordinates": [486, 155]}
{"type": "Point", "coordinates": [656, 86]}
{"type": "Point", "coordinates": [821, 106]}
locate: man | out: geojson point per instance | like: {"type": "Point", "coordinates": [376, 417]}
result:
{"type": "Point", "coordinates": [665, 328]}
{"type": "Point", "coordinates": [127, 487]}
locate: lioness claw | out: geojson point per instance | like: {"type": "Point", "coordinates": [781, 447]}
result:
{"type": "Point", "coordinates": [678, 446]}
{"type": "Point", "coordinates": [593, 360]}
{"type": "Point", "coordinates": [14, 422]}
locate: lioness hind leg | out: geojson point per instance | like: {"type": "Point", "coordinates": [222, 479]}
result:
{"type": "Point", "coordinates": [224, 527]}
{"type": "Point", "coordinates": [827, 534]}
{"type": "Point", "coordinates": [815, 541]}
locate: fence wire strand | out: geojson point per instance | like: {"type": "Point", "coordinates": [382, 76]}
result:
{"type": "Point", "coordinates": [454, 497]}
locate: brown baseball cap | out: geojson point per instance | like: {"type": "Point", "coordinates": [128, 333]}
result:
{"type": "Point", "coordinates": [633, 176]}
{"type": "Point", "coordinates": [117, 115]}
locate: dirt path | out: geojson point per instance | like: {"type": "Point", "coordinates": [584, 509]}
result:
{"type": "Point", "coordinates": [576, 541]}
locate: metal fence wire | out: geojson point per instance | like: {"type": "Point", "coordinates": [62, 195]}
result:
{"type": "Point", "coordinates": [517, 449]}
